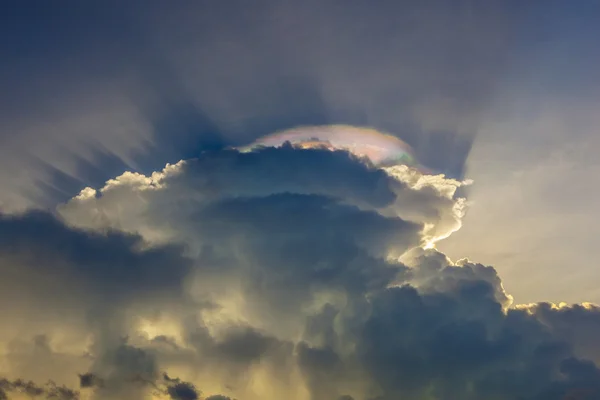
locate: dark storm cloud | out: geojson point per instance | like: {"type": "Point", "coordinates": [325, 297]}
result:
{"type": "Point", "coordinates": [89, 380]}
{"type": "Point", "coordinates": [179, 390]}
{"type": "Point", "coordinates": [110, 262]}
{"type": "Point", "coordinates": [456, 342]}
{"type": "Point", "coordinates": [415, 345]}
{"type": "Point", "coordinates": [578, 324]}
{"type": "Point", "coordinates": [81, 282]}
{"type": "Point", "coordinates": [182, 391]}
{"type": "Point", "coordinates": [292, 278]}
{"type": "Point", "coordinates": [288, 238]}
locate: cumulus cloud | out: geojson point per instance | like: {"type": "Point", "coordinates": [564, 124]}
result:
{"type": "Point", "coordinates": [280, 273]}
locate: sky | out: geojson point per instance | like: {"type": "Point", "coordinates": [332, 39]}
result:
{"type": "Point", "coordinates": [150, 250]}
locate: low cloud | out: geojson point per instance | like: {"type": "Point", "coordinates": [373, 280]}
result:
{"type": "Point", "coordinates": [32, 390]}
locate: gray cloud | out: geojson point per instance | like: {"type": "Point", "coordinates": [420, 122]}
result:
{"type": "Point", "coordinates": [30, 389]}
{"type": "Point", "coordinates": [88, 380]}
{"type": "Point", "coordinates": [68, 283]}
{"type": "Point", "coordinates": [95, 273]}
{"type": "Point", "coordinates": [291, 284]}
{"type": "Point", "coordinates": [174, 388]}
{"type": "Point", "coordinates": [179, 390]}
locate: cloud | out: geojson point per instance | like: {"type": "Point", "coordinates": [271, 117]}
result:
{"type": "Point", "coordinates": [173, 388]}
{"type": "Point", "coordinates": [62, 285]}
{"type": "Point", "coordinates": [179, 390]}
{"type": "Point", "coordinates": [240, 73]}
{"type": "Point", "coordinates": [88, 380]}
{"type": "Point", "coordinates": [29, 388]}
{"type": "Point", "coordinates": [228, 174]}
{"type": "Point", "coordinates": [70, 269]}
{"type": "Point", "coordinates": [280, 273]}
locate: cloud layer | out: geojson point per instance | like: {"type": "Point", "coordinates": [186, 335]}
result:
{"type": "Point", "coordinates": [280, 273]}
{"type": "Point", "coordinates": [92, 91]}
